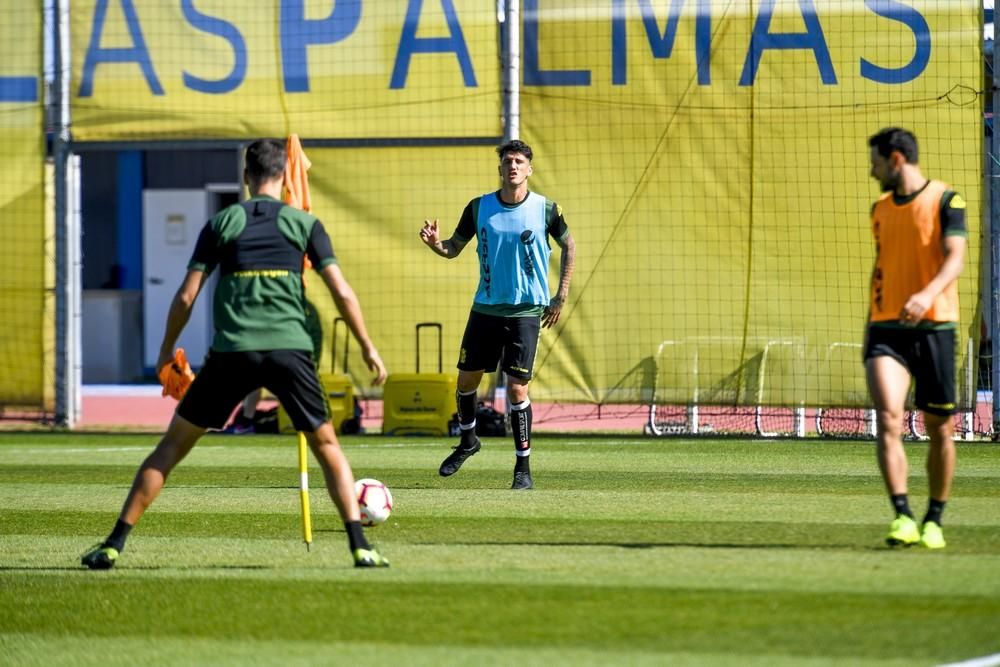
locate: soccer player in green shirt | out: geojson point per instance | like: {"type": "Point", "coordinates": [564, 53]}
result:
{"type": "Point", "coordinates": [261, 339]}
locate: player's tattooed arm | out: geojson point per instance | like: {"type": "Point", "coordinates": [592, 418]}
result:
{"type": "Point", "coordinates": [567, 260]}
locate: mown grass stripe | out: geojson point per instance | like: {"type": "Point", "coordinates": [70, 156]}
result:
{"type": "Point", "coordinates": [31, 650]}
{"type": "Point", "coordinates": [400, 479]}
{"type": "Point", "coordinates": [546, 616]}
{"type": "Point", "coordinates": [705, 505]}
{"type": "Point", "coordinates": [757, 568]}
{"type": "Point", "coordinates": [637, 531]}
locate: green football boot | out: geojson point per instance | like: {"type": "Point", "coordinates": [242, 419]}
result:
{"type": "Point", "coordinates": [903, 531]}
{"type": "Point", "coordinates": [931, 536]}
{"type": "Point", "coordinates": [100, 557]}
{"type": "Point", "coordinates": [369, 558]}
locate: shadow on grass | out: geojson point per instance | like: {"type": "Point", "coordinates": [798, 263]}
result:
{"type": "Point", "coordinates": [152, 568]}
{"type": "Point", "coordinates": [658, 545]}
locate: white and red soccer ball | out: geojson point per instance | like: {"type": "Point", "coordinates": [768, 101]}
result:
{"type": "Point", "coordinates": [374, 500]}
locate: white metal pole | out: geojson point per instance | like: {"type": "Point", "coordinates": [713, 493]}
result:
{"type": "Point", "coordinates": [67, 181]}
{"type": "Point", "coordinates": [972, 396]}
{"type": "Point", "coordinates": [511, 58]}
{"type": "Point", "coordinates": [994, 227]}
{"type": "Point", "coordinates": [509, 17]}
{"type": "Point", "coordinates": [74, 288]}
{"type": "Point", "coordinates": [693, 425]}
{"type": "Point", "coordinates": [799, 422]}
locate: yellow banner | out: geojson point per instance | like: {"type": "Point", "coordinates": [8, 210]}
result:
{"type": "Point", "coordinates": [224, 69]}
{"type": "Point", "coordinates": [710, 156]}
{"type": "Point", "coordinates": [24, 372]}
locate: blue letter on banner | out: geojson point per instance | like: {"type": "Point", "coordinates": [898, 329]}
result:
{"type": "Point", "coordinates": [762, 40]}
{"type": "Point", "coordinates": [533, 76]}
{"type": "Point", "coordinates": [96, 55]}
{"type": "Point", "coordinates": [661, 45]}
{"type": "Point", "coordinates": [226, 31]}
{"type": "Point", "coordinates": [18, 89]}
{"type": "Point", "coordinates": [409, 44]}
{"type": "Point", "coordinates": [921, 31]}
{"type": "Point", "coordinates": [298, 32]}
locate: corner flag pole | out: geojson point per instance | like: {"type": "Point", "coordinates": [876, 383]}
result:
{"type": "Point", "coordinates": [304, 493]}
{"type": "Point", "coordinates": [295, 186]}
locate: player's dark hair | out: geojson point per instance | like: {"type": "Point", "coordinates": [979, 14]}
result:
{"type": "Point", "coordinates": [895, 139]}
{"type": "Point", "coordinates": [265, 159]}
{"type": "Point", "coordinates": [515, 146]}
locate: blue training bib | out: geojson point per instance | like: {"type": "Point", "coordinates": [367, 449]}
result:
{"type": "Point", "coordinates": [513, 252]}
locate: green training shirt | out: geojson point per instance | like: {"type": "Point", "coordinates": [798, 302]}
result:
{"type": "Point", "coordinates": [259, 246]}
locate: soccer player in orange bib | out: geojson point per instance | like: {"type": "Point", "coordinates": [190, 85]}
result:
{"type": "Point", "coordinates": [920, 241]}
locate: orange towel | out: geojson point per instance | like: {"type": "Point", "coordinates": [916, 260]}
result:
{"type": "Point", "coordinates": [176, 375]}
{"type": "Point", "coordinates": [296, 179]}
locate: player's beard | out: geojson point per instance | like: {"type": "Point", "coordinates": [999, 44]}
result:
{"type": "Point", "coordinates": [891, 181]}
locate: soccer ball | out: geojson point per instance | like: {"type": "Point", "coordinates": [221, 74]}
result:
{"type": "Point", "coordinates": [374, 500]}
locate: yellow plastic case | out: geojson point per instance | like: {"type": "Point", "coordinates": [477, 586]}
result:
{"type": "Point", "coordinates": [419, 403]}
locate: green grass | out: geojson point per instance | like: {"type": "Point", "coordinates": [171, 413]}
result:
{"type": "Point", "coordinates": [628, 551]}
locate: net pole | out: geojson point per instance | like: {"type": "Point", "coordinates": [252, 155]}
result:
{"type": "Point", "coordinates": [972, 398]}
{"type": "Point", "coordinates": [74, 234]}
{"type": "Point", "coordinates": [994, 226]}
{"type": "Point", "coordinates": [67, 232]}
{"type": "Point", "coordinates": [509, 14]}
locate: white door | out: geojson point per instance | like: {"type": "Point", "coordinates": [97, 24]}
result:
{"type": "Point", "coordinates": [172, 220]}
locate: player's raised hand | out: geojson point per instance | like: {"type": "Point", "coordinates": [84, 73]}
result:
{"type": "Point", "coordinates": [430, 235]}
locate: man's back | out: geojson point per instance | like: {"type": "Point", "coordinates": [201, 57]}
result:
{"type": "Point", "coordinates": [258, 247]}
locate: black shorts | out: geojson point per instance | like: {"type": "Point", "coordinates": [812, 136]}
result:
{"type": "Point", "coordinates": [929, 355]}
{"type": "Point", "coordinates": [490, 340]}
{"type": "Point", "coordinates": [227, 377]}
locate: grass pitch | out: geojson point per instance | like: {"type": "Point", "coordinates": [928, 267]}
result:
{"type": "Point", "coordinates": [628, 551]}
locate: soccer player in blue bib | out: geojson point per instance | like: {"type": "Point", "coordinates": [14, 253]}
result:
{"type": "Point", "coordinates": [512, 227]}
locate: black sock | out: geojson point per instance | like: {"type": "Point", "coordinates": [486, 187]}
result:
{"type": "Point", "coordinates": [934, 510]}
{"type": "Point", "coordinates": [466, 402]}
{"type": "Point", "coordinates": [116, 540]}
{"type": "Point", "coordinates": [355, 535]}
{"type": "Point", "coordinates": [521, 464]}
{"type": "Point", "coordinates": [901, 504]}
